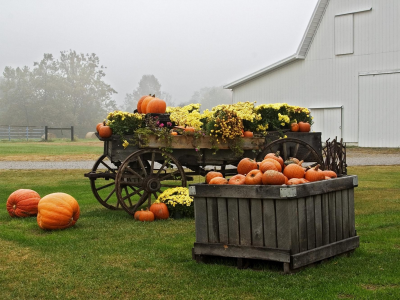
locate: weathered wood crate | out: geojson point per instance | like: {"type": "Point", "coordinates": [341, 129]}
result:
{"type": "Point", "coordinates": [296, 225]}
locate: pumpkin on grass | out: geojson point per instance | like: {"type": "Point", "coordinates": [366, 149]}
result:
{"type": "Point", "coordinates": [57, 211]}
{"type": "Point", "coordinates": [23, 203]}
{"type": "Point", "coordinates": [160, 211]}
{"type": "Point", "coordinates": [246, 165]}
{"type": "Point", "coordinates": [146, 216]}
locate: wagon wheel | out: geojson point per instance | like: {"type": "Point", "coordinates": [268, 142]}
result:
{"type": "Point", "coordinates": [137, 182]}
{"type": "Point", "coordinates": [102, 183]}
{"type": "Point", "coordinates": [290, 147]}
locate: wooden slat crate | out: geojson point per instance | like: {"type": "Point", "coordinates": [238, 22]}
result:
{"type": "Point", "coordinates": [296, 225]}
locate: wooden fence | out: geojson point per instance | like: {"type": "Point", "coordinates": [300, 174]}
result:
{"type": "Point", "coordinates": [9, 133]}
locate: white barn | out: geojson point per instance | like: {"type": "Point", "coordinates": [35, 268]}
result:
{"type": "Point", "coordinates": [346, 70]}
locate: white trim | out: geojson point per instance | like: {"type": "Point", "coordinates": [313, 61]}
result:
{"type": "Point", "coordinates": [326, 107]}
{"type": "Point", "coordinates": [262, 71]}
{"type": "Point", "coordinates": [378, 72]}
{"type": "Point", "coordinates": [355, 11]}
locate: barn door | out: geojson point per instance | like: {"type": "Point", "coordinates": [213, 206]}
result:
{"type": "Point", "coordinates": [378, 110]}
{"type": "Point", "coordinates": [328, 121]}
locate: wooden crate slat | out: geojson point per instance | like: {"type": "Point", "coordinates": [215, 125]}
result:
{"type": "Point", "coordinates": [303, 237]}
{"type": "Point", "coordinates": [282, 225]}
{"type": "Point", "coordinates": [257, 234]}
{"type": "Point", "coordinates": [201, 224]}
{"type": "Point", "coordinates": [212, 213]}
{"type": "Point", "coordinates": [318, 221]}
{"type": "Point", "coordinates": [324, 252]}
{"type": "Point", "coordinates": [332, 217]}
{"type": "Point", "coordinates": [339, 216]}
{"type": "Point", "coordinates": [223, 221]}
{"type": "Point", "coordinates": [352, 221]}
{"type": "Point", "coordinates": [244, 222]}
{"type": "Point", "coordinates": [325, 218]}
{"type": "Point", "coordinates": [345, 208]}
{"type": "Point", "coordinates": [269, 223]}
{"type": "Point", "coordinates": [294, 226]}
{"type": "Point", "coordinates": [233, 221]}
{"type": "Point", "coordinates": [310, 223]}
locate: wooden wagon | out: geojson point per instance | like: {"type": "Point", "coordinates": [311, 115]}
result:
{"type": "Point", "coordinates": [128, 177]}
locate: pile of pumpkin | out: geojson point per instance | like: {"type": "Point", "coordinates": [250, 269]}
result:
{"type": "Point", "coordinates": [53, 211]}
{"type": "Point", "coordinates": [157, 211]}
{"type": "Point", "coordinates": [273, 170]}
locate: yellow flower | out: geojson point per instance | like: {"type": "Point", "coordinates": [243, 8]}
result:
{"type": "Point", "coordinates": [125, 144]}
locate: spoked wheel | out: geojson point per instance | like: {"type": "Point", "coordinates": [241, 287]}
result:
{"type": "Point", "coordinates": [144, 175]}
{"type": "Point", "coordinates": [102, 182]}
{"type": "Point", "coordinates": [290, 147]}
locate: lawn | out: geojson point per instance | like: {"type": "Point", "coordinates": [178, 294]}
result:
{"type": "Point", "coordinates": [109, 255]}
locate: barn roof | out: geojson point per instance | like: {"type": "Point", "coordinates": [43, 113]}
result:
{"type": "Point", "coordinates": [301, 50]}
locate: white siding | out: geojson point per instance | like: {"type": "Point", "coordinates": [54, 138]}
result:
{"type": "Point", "coordinates": [379, 109]}
{"type": "Point", "coordinates": [344, 34]}
{"type": "Point", "coordinates": [328, 121]}
{"type": "Point", "coordinates": [324, 79]}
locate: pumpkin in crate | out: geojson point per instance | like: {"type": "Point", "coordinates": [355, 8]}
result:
{"type": "Point", "coordinates": [267, 165]}
{"type": "Point", "coordinates": [23, 203]}
{"type": "Point", "coordinates": [160, 210]}
{"type": "Point", "coordinates": [105, 131]}
{"type": "Point", "coordinates": [294, 127]}
{"type": "Point", "coordinates": [274, 161]}
{"type": "Point", "coordinates": [57, 211]}
{"type": "Point", "coordinates": [272, 177]}
{"type": "Point", "coordinates": [314, 174]}
{"type": "Point", "coordinates": [275, 156]}
{"type": "Point", "coordinates": [254, 177]}
{"type": "Point", "coordinates": [156, 106]}
{"type": "Point", "coordinates": [246, 165]}
{"type": "Point", "coordinates": [294, 170]}
{"type": "Point", "coordinates": [329, 173]}
{"type": "Point", "coordinates": [218, 180]}
{"type": "Point", "coordinates": [304, 127]}
{"type": "Point", "coordinates": [237, 179]}
{"type": "Point", "coordinates": [212, 174]}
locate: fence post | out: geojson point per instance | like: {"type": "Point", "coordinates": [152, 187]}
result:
{"type": "Point", "coordinates": [27, 133]}
{"type": "Point", "coordinates": [72, 133]}
{"type": "Point", "coordinates": [45, 132]}
{"type": "Point", "coordinates": [9, 132]}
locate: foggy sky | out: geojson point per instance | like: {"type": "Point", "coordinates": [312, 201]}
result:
{"type": "Point", "coordinates": [185, 44]}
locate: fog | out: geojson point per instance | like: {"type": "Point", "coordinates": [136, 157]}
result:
{"type": "Point", "coordinates": [185, 44]}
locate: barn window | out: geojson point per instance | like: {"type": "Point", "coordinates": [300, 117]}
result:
{"type": "Point", "coordinates": [344, 34]}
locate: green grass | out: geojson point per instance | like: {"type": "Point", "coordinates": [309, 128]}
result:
{"type": "Point", "coordinates": [108, 255]}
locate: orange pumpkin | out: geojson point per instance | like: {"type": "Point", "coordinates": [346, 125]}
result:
{"type": "Point", "coordinates": [246, 165]}
{"type": "Point", "coordinates": [146, 216]}
{"type": "Point", "coordinates": [174, 133]}
{"type": "Point", "coordinates": [57, 211]}
{"type": "Point", "coordinates": [330, 173]}
{"type": "Point", "coordinates": [146, 102]}
{"type": "Point", "coordinates": [304, 127]}
{"type": "Point", "coordinates": [160, 210]}
{"type": "Point", "coordinates": [314, 174]}
{"type": "Point", "coordinates": [248, 134]}
{"type": "Point", "coordinates": [156, 106]}
{"type": "Point", "coordinates": [218, 180]}
{"type": "Point", "coordinates": [294, 127]}
{"type": "Point", "coordinates": [98, 126]}
{"type": "Point", "coordinates": [276, 157]}
{"type": "Point", "coordinates": [105, 131]}
{"type": "Point", "coordinates": [23, 203]}
{"type": "Point", "coordinates": [294, 171]}
{"type": "Point", "coordinates": [274, 161]}
{"type": "Point", "coordinates": [238, 179]}
{"type": "Point", "coordinates": [267, 165]}
{"type": "Point", "coordinates": [139, 104]}
{"type": "Point", "coordinates": [137, 214]}
{"type": "Point", "coordinates": [254, 177]}
{"type": "Point", "coordinates": [189, 130]}
{"type": "Point", "coordinates": [212, 174]}
{"type": "Point", "coordinates": [272, 177]}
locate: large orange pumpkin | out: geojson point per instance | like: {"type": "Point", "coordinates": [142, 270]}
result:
{"type": "Point", "coordinates": [275, 156]}
{"type": "Point", "coordinates": [57, 211]}
{"type": "Point", "coordinates": [139, 104]}
{"type": "Point", "coordinates": [314, 174]}
{"type": "Point", "coordinates": [304, 127]}
{"type": "Point", "coordinates": [246, 165]}
{"type": "Point", "coordinates": [156, 106]}
{"type": "Point", "coordinates": [146, 216]}
{"type": "Point", "coordinates": [146, 102]}
{"type": "Point", "coordinates": [277, 164]}
{"type": "Point", "coordinates": [267, 165]}
{"type": "Point", "coordinates": [23, 203]}
{"type": "Point", "coordinates": [294, 171]}
{"type": "Point", "coordinates": [160, 210]}
{"type": "Point", "coordinates": [218, 180]}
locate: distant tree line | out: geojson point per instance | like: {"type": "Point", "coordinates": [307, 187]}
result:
{"type": "Point", "coordinates": [57, 92]}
